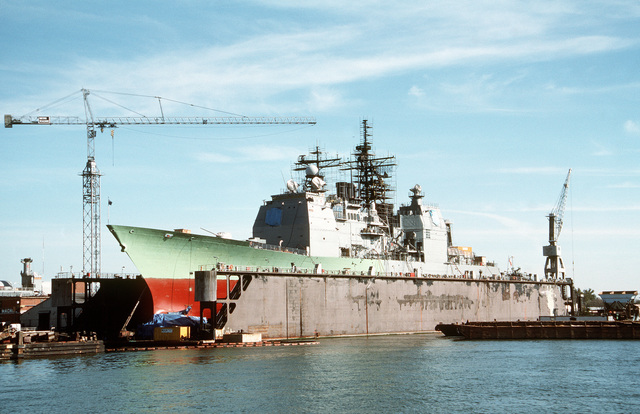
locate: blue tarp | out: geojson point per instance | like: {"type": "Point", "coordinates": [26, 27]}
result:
{"type": "Point", "coordinates": [161, 320]}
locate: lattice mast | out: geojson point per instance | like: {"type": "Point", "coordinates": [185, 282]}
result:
{"type": "Point", "coordinates": [371, 173]}
{"type": "Point", "coordinates": [91, 235]}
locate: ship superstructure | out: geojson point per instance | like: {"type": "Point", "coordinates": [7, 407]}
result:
{"type": "Point", "coordinates": [356, 220]}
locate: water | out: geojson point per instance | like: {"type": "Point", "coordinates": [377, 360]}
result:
{"type": "Point", "coordinates": [408, 373]}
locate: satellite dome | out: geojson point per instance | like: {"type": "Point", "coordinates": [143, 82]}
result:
{"type": "Point", "coordinates": [312, 170]}
{"type": "Point", "coordinates": [417, 189]}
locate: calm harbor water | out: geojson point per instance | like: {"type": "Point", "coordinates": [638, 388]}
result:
{"type": "Point", "coordinates": [406, 373]}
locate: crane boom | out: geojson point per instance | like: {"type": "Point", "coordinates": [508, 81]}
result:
{"type": "Point", "coordinates": [91, 173]}
{"type": "Point", "coordinates": [114, 121]}
{"type": "Point", "coordinates": [557, 214]}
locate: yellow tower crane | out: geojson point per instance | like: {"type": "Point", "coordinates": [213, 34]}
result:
{"type": "Point", "coordinates": [91, 253]}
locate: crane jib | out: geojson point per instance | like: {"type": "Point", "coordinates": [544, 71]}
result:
{"type": "Point", "coordinates": [9, 121]}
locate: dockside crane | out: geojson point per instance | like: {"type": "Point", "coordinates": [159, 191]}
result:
{"type": "Point", "coordinates": [554, 267]}
{"type": "Point", "coordinates": [91, 255]}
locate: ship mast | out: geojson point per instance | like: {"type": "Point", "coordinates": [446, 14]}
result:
{"type": "Point", "coordinates": [372, 174]}
{"type": "Point", "coordinates": [316, 162]}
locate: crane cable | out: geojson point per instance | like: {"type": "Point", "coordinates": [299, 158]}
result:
{"type": "Point", "coordinates": [117, 104]}
{"type": "Point", "coordinates": [57, 101]}
{"type": "Point", "coordinates": [173, 100]}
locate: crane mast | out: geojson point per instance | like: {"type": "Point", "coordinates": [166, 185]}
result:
{"type": "Point", "coordinates": [91, 235]}
{"type": "Point", "coordinates": [554, 266]}
{"type": "Point", "coordinates": [91, 252]}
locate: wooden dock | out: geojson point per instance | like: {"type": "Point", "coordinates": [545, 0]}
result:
{"type": "Point", "coordinates": [49, 349]}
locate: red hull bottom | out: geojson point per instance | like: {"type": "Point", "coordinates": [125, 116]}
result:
{"type": "Point", "coordinates": [175, 295]}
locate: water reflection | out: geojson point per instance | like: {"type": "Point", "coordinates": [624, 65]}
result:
{"type": "Point", "coordinates": [392, 373]}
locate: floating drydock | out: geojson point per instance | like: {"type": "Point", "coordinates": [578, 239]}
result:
{"type": "Point", "coordinates": [287, 304]}
{"type": "Point", "coordinates": [544, 330]}
{"type": "Point", "coordinates": [338, 261]}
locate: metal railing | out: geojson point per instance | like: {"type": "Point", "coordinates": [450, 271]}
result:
{"type": "Point", "coordinates": [103, 275]}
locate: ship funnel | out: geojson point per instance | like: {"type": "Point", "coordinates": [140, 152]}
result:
{"type": "Point", "coordinates": [345, 190]}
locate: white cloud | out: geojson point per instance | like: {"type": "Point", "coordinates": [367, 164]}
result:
{"type": "Point", "coordinates": [505, 225]}
{"type": "Point", "coordinates": [416, 91]}
{"type": "Point", "coordinates": [250, 153]}
{"type": "Point", "coordinates": [213, 157]}
{"type": "Point", "coordinates": [325, 99]}
{"type": "Point", "coordinates": [252, 70]}
{"type": "Point", "coordinates": [632, 127]}
{"type": "Point", "coordinates": [626, 184]}
{"type": "Point", "coordinates": [268, 153]}
{"type": "Point", "coordinates": [532, 170]}
{"type": "Point", "coordinates": [606, 209]}
{"type": "Point", "coordinates": [601, 150]}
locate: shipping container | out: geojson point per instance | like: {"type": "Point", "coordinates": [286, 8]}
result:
{"type": "Point", "coordinates": [171, 333]}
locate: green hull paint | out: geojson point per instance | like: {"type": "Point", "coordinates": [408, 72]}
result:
{"type": "Point", "coordinates": [170, 254]}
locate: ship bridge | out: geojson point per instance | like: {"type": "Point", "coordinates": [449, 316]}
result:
{"type": "Point", "coordinates": [425, 233]}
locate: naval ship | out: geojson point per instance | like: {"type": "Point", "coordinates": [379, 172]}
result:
{"type": "Point", "coordinates": [334, 260]}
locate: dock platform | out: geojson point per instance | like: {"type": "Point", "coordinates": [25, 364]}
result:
{"type": "Point", "coordinates": [544, 330]}
{"type": "Point", "coordinates": [153, 345]}
{"type": "Point", "coordinates": [49, 349]}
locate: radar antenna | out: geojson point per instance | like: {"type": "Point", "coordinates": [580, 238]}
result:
{"type": "Point", "coordinates": [314, 166]}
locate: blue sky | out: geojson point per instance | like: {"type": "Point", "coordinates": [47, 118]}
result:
{"type": "Point", "coordinates": [486, 105]}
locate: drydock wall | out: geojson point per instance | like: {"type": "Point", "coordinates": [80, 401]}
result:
{"type": "Point", "coordinates": [290, 306]}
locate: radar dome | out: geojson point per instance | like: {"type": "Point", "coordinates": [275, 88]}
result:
{"type": "Point", "coordinates": [317, 183]}
{"type": "Point", "coordinates": [312, 170]}
{"type": "Point", "coordinates": [417, 189]}
{"type": "Point", "coordinates": [292, 186]}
